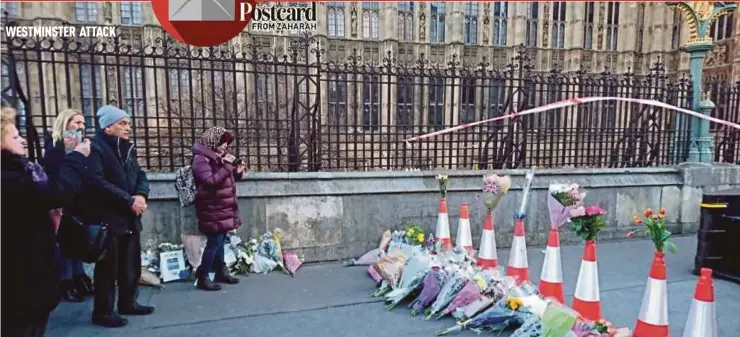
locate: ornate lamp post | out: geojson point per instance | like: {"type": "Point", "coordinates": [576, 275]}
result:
{"type": "Point", "coordinates": [700, 15]}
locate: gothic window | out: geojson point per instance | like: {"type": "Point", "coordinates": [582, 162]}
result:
{"type": "Point", "coordinates": [612, 25]}
{"type": "Point", "coordinates": [467, 111]}
{"type": "Point", "coordinates": [676, 31]}
{"type": "Point", "coordinates": [436, 102]}
{"type": "Point", "coordinates": [722, 28]}
{"type": "Point", "coordinates": [179, 84]}
{"type": "Point", "coordinates": [500, 14]}
{"type": "Point", "coordinates": [336, 19]}
{"type": "Point", "coordinates": [338, 100]}
{"type": "Point", "coordinates": [406, 21]}
{"type": "Point", "coordinates": [133, 89]}
{"type": "Point", "coordinates": [588, 26]}
{"type": "Point", "coordinates": [86, 11]}
{"type": "Point", "coordinates": [533, 16]}
{"type": "Point", "coordinates": [13, 8]}
{"type": "Point", "coordinates": [471, 23]}
{"type": "Point", "coordinates": [371, 101]}
{"type": "Point", "coordinates": [370, 17]}
{"type": "Point", "coordinates": [641, 26]}
{"type": "Point", "coordinates": [5, 79]}
{"type": "Point", "coordinates": [263, 87]}
{"type": "Point", "coordinates": [405, 101]}
{"type": "Point", "coordinates": [131, 13]}
{"type": "Point", "coordinates": [558, 24]}
{"type": "Point", "coordinates": [437, 21]}
{"type": "Point", "coordinates": [91, 98]}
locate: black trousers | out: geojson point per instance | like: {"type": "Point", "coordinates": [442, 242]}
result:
{"type": "Point", "coordinates": [121, 263]}
{"type": "Point", "coordinates": [25, 329]}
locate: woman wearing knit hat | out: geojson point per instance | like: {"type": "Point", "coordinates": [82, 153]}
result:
{"type": "Point", "coordinates": [215, 174]}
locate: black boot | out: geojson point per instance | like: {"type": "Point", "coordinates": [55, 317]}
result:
{"type": "Point", "coordinates": [136, 309]}
{"type": "Point", "coordinates": [109, 321]}
{"type": "Point", "coordinates": [204, 282]}
{"type": "Point", "coordinates": [84, 285]}
{"type": "Point", "coordinates": [223, 276]}
{"type": "Point", "coordinates": [69, 292]}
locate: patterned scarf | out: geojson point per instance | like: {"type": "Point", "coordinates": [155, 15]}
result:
{"type": "Point", "coordinates": [212, 137]}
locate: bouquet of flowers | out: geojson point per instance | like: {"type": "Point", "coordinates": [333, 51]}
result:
{"type": "Point", "coordinates": [588, 221]}
{"type": "Point", "coordinates": [494, 188]}
{"type": "Point", "coordinates": [245, 257]}
{"type": "Point", "coordinates": [431, 286]}
{"type": "Point", "coordinates": [390, 267]}
{"type": "Point", "coordinates": [505, 313]}
{"type": "Point", "coordinates": [413, 275]}
{"type": "Point", "coordinates": [602, 328]}
{"type": "Point", "coordinates": [269, 255]}
{"type": "Point", "coordinates": [374, 255]}
{"type": "Point", "coordinates": [467, 295]}
{"type": "Point", "coordinates": [449, 290]}
{"type": "Point", "coordinates": [443, 180]}
{"type": "Point", "coordinates": [563, 198]}
{"type": "Point", "coordinates": [414, 234]}
{"type": "Point", "coordinates": [655, 228]}
{"type": "Point", "coordinates": [472, 309]}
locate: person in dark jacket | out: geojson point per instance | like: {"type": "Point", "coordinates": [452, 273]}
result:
{"type": "Point", "coordinates": [30, 276]}
{"type": "Point", "coordinates": [215, 174]}
{"type": "Point", "coordinates": [75, 284]}
{"type": "Point", "coordinates": [116, 194]}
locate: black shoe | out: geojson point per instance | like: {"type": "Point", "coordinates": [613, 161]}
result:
{"type": "Point", "coordinates": [205, 283]}
{"type": "Point", "coordinates": [110, 321]}
{"type": "Point", "coordinates": [69, 292]}
{"type": "Point", "coordinates": [225, 277]}
{"type": "Point", "coordinates": [136, 310]}
{"type": "Point", "coordinates": [84, 285]}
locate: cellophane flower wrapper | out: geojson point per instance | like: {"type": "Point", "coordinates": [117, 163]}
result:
{"type": "Point", "coordinates": [194, 246]}
{"type": "Point", "coordinates": [532, 327]}
{"type": "Point", "coordinates": [368, 258]}
{"type": "Point", "coordinates": [292, 263]}
{"type": "Point", "coordinates": [472, 309]}
{"type": "Point", "coordinates": [560, 213]}
{"type": "Point", "coordinates": [449, 290]}
{"type": "Point", "coordinates": [374, 274]}
{"type": "Point", "coordinates": [468, 294]}
{"type": "Point", "coordinates": [390, 267]}
{"type": "Point", "coordinates": [269, 248]}
{"type": "Point", "coordinates": [558, 320]}
{"type": "Point", "coordinates": [431, 286]}
{"type": "Point", "coordinates": [494, 188]}
{"type": "Point", "coordinates": [496, 318]}
{"type": "Point", "coordinates": [383, 289]}
{"type": "Point", "coordinates": [413, 276]}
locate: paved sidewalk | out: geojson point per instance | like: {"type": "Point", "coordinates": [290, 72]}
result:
{"type": "Point", "coordinates": [331, 300]}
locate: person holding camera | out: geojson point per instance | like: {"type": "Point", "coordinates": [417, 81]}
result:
{"type": "Point", "coordinates": [215, 172]}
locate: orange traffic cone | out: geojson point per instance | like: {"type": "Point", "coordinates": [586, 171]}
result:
{"type": "Point", "coordinates": [464, 239]}
{"type": "Point", "coordinates": [702, 321]}
{"type": "Point", "coordinates": [551, 279]}
{"type": "Point", "coordinates": [518, 266]}
{"type": "Point", "coordinates": [653, 318]}
{"type": "Point", "coordinates": [487, 257]}
{"type": "Point", "coordinates": [586, 300]}
{"type": "Point", "coordinates": [443, 225]}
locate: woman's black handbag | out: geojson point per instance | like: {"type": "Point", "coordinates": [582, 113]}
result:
{"type": "Point", "coordinates": [87, 242]}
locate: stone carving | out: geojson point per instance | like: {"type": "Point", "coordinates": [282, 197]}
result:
{"type": "Point", "coordinates": [546, 26]}
{"type": "Point", "coordinates": [107, 13]}
{"type": "Point", "coordinates": [718, 56]}
{"type": "Point", "coordinates": [486, 22]}
{"type": "Point", "coordinates": [353, 19]}
{"type": "Point", "coordinates": [600, 27]}
{"type": "Point", "coordinates": [703, 9]}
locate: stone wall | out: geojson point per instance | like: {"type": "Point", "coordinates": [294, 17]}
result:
{"type": "Point", "coordinates": [332, 215]}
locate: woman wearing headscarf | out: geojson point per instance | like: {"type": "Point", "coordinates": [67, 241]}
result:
{"type": "Point", "coordinates": [28, 194]}
{"type": "Point", "coordinates": [68, 130]}
{"type": "Point", "coordinates": [215, 173]}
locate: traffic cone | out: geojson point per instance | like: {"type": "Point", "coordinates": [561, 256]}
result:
{"type": "Point", "coordinates": [443, 225]}
{"type": "Point", "coordinates": [702, 321]}
{"type": "Point", "coordinates": [487, 257]}
{"type": "Point", "coordinates": [518, 266]}
{"type": "Point", "coordinates": [464, 239]}
{"type": "Point", "coordinates": [586, 299]}
{"type": "Point", "coordinates": [653, 318]}
{"type": "Point", "coordinates": [551, 279]}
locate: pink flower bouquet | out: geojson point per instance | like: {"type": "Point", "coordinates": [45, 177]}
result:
{"type": "Point", "coordinates": [561, 199]}
{"type": "Point", "coordinates": [588, 221]}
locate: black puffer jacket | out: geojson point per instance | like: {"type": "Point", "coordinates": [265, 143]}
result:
{"type": "Point", "coordinates": [30, 276]}
{"type": "Point", "coordinates": [114, 177]}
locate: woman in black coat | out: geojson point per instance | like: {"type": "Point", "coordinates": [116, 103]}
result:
{"type": "Point", "coordinates": [67, 131]}
{"type": "Point", "coordinates": [29, 274]}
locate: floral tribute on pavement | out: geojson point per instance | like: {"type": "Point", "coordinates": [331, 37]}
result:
{"type": "Point", "coordinates": [410, 268]}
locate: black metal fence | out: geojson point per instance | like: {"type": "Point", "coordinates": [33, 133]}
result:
{"type": "Point", "coordinates": [303, 108]}
{"type": "Point", "coordinates": [727, 101]}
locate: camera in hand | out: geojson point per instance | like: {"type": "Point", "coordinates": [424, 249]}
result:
{"type": "Point", "coordinates": [238, 161]}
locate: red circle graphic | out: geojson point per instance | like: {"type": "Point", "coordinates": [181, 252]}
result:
{"type": "Point", "coordinates": [192, 21]}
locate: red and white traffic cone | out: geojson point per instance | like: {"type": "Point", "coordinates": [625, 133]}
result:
{"type": "Point", "coordinates": [518, 264]}
{"type": "Point", "coordinates": [702, 321]}
{"type": "Point", "coordinates": [443, 225]}
{"type": "Point", "coordinates": [487, 257]}
{"type": "Point", "coordinates": [551, 279]}
{"type": "Point", "coordinates": [586, 300]}
{"type": "Point", "coordinates": [464, 239]}
{"type": "Point", "coordinates": [653, 318]}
